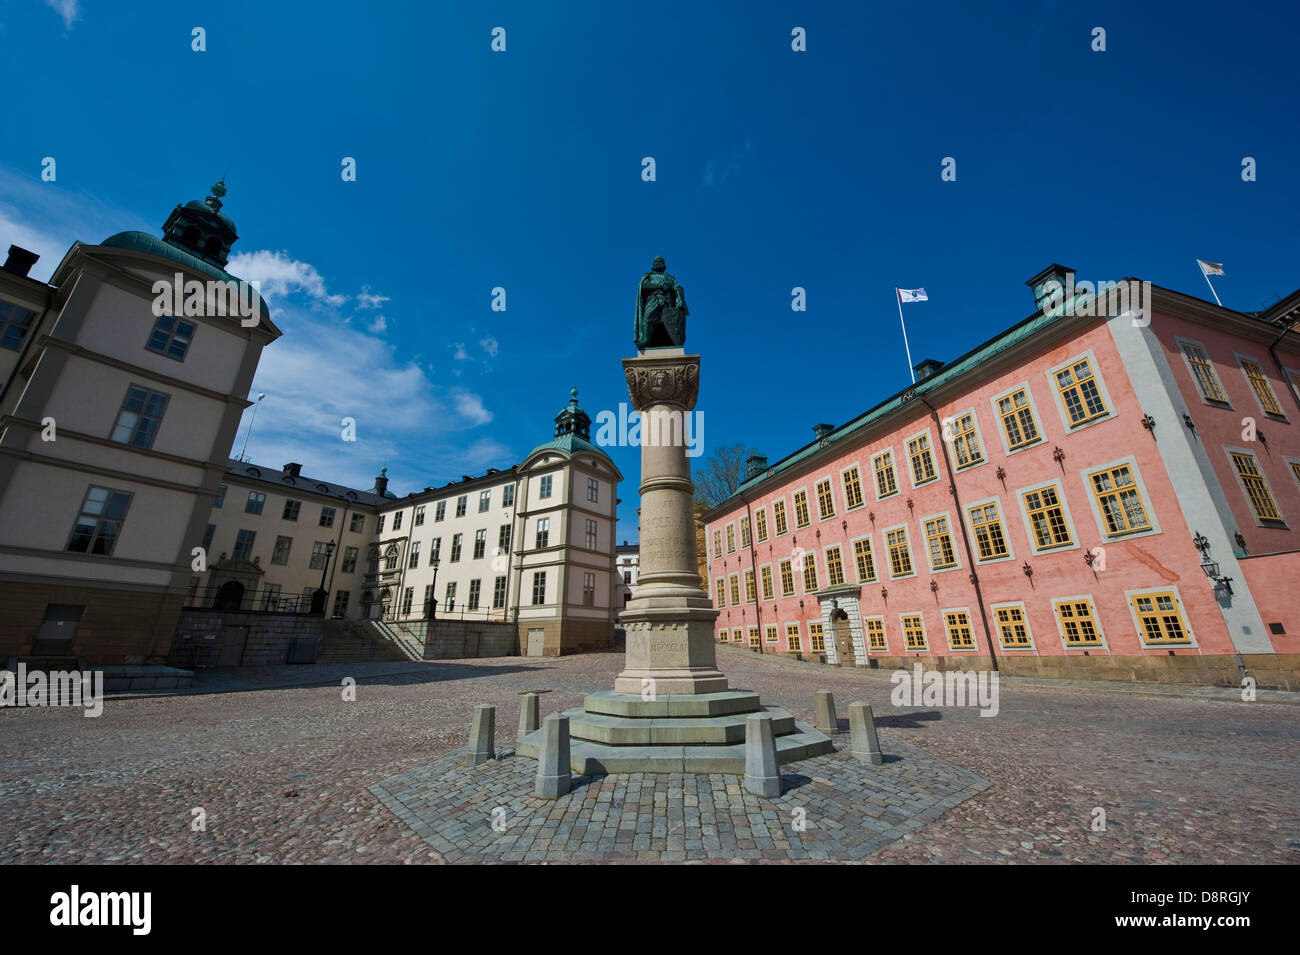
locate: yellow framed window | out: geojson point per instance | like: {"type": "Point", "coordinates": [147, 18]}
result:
{"type": "Point", "coordinates": [965, 441]}
{"type": "Point", "coordinates": [990, 539]}
{"type": "Point", "coordinates": [731, 538]}
{"type": "Point", "coordinates": [886, 482]}
{"type": "Point", "coordinates": [809, 573]}
{"type": "Point", "coordinates": [825, 499]}
{"type": "Point", "coordinates": [834, 567]}
{"type": "Point", "coordinates": [914, 632]}
{"type": "Point", "coordinates": [900, 557]}
{"type": "Point", "coordinates": [876, 635]}
{"type": "Point", "coordinates": [801, 518]}
{"type": "Point", "coordinates": [737, 635]}
{"type": "Point", "coordinates": [722, 635]}
{"type": "Point", "coordinates": [735, 589]}
{"type": "Point", "coordinates": [765, 580]}
{"type": "Point", "coordinates": [771, 635]}
{"type": "Point", "coordinates": [918, 450]}
{"type": "Point", "coordinates": [1252, 479]}
{"type": "Point", "coordinates": [744, 532]}
{"type": "Point", "coordinates": [722, 593]}
{"type": "Point", "coordinates": [1078, 622]}
{"type": "Point", "coordinates": [816, 639]}
{"type": "Point", "coordinates": [1018, 422]}
{"type": "Point", "coordinates": [760, 524]}
{"type": "Point", "coordinates": [792, 641]}
{"type": "Point", "coordinates": [787, 579]}
{"type": "Point", "coordinates": [959, 633]}
{"type": "Point", "coordinates": [1012, 629]}
{"type": "Point", "coordinates": [1119, 500]}
{"type": "Point", "coordinates": [778, 516]}
{"type": "Point", "coordinates": [1295, 470]}
{"type": "Point", "coordinates": [1047, 517]}
{"type": "Point", "coordinates": [1079, 392]}
{"type": "Point", "coordinates": [1263, 390]}
{"type": "Point", "coordinates": [1159, 618]}
{"type": "Point", "coordinates": [753, 636]}
{"type": "Point", "coordinates": [866, 562]}
{"type": "Point", "coordinates": [1207, 379]}
{"type": "Point", "coordinates": [939, 538]}
{"type": "Point", "coordinates": [750, 595]}
{"type": "Point", "coordinates": [852, 487]}
{"type": "Point", "coordinates": [717, 543]}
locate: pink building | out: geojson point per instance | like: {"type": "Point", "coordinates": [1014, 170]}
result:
{"type": "Point", "coordinates": [1110, 489]}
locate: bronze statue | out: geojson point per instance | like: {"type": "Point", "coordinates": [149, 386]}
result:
{"type": "Point", "coordinates": [660, 310]}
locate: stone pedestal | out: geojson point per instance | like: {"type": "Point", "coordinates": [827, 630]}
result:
{"type": "Point", "coordinates": [670, 621]}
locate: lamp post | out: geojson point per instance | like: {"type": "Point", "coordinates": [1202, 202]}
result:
{"type": "Point", "coordinates": [318, 602]}
{"type": "Point", "coordinates": [433, 600]}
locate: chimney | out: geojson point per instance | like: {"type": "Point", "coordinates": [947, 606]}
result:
{"type": "Point", "coordinates": [755, 465]}
{"type": "Point", "coordinates": [293, 470]}
{"type": "Point", "coordinates": [821, 430]}
{"type": "Point", "coordinates": [1052, 286]}
{"type": "Point", "coordinates": [926, 368]}
{"type": "Point", "coordinates": [20, 260]}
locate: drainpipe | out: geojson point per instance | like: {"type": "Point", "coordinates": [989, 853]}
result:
{"type": "Point", "coordinates": [1286, 379]}
{"type": "Point", "coordinates": [965, 539]}
{"type": "Point", "coordinates": [753, 566]}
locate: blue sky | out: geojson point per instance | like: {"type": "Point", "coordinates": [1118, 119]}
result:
{"type": "Point", "coordinates": [522, 169]}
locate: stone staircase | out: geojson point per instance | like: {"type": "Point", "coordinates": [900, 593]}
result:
{"type": "Point", "coordinates": [401, 636]}
{"type": "Point", "coordinates": [358, 641]}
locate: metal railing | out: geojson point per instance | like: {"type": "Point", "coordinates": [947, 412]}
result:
{"type": "Point", "coordinates": [237, 599]}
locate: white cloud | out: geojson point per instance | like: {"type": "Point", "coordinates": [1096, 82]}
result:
{"type": "Point", "coordinates": [470, 407]}
{"type": "Point", "coordinates": [69, 10]}
{"type": "Point", "coordinates": [365, 299]}
{"type": "Point", "coordinates": [379, 325]}
{"type": "Point", "coordinates": [281, 275]}
{"type": "Point", "coordinates": [490, 345]}
{"type": "Point", "coordinates": [460, 354]}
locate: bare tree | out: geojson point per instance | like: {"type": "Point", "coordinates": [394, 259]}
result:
{"type": "Point", "coordinates": [719, 476]}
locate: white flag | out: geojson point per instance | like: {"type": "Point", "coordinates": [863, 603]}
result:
{"type": "Point", "coordinates": [912, 295]}
{"type": "Point", "coordinates": [1210, 268]}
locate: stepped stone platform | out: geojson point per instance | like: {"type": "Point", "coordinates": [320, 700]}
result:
{"type": "Point", "coordinates": [699, 733]}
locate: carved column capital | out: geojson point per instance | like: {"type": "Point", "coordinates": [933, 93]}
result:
{"type": "Point", "coordinates": [656, 381]}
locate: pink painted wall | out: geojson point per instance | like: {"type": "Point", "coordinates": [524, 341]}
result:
{"type": "Point", "coordinates": [1272, 580]}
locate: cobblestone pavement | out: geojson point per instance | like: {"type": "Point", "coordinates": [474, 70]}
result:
{"type": "Point", "coordinates": [285, 774]}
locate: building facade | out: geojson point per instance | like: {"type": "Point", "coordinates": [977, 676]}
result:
{"type": "Point", "coordinates": [1096, 491]}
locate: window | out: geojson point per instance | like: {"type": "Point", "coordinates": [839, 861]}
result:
{"type": "Point", "coordinates": [475, 588]}
{"type": "Point", "coordinates": [100, 522]}
{"type": "Point", "coordinates": [939, 539]}
{"type": "Point", "coordinates": [731, 538]}
{"type": "Point", "coordinates": [439, 512]}
{"type": "Point", "coordinates": [1078, 622]}
{"type": "Point", "coordinates": [327, 517]}
{"type": "Point", "coordinates": [1012, 628]}
{"type": "Point", "coordinates": [760, 524]}
{"type": "Point", "coordinates": [809, 572]}
{"type": "Point", "coordinates": [171, 336]}
{"type": "Point", "coordinates": [255, 502]}
{"type": "Point", "coordinates": [765, 579]}
{"type": "Point", "coordinates": [349, 560]}
{"type": "Point", "coordinates": [825, 500]}
{"type": "Point", "coordinates": [455, 546]}
{"type": "Point", "coordinates": [866, 563]}
{"type": "Point", "coordinates": [787, 578]}
{"type": "Point", "coordinates": [852, 481]}
{"type": "Point", "coordinates": [419, 517]}
{"type": "Point", "coordinates": [480, 542]}
{"type": "Point", "coordinates": [543, 532]}
{"type": "Point", "coordinates": [900, 557]}
{"type": "Point", "coordinates": [545, 490]}
{"type": "Point", "coordinates": [341, 603]}
{"type": "Point", "coordinates": [886, 482]}
{"type": "Point", "coordinates": [876, 635]}
{"type": "Point", "coordinates": [593, 489]}
{"type": "Point", "coordinates": [435, 551]}
{"type": "Point", "coordinates": [734, 588]}
{"type": "Point", "coordinates": [484, 500]}
{"type": "Point", "coordinates": [913, 632]}
{"type": "Point", "coordinates": [721, 586]}
{"type": "Point", "coordinates": [1295, 470]}
{"type": "Point", "coordinates": [1263, 390]}
{"type": "Point", "coordinates": [207, 536]}
{"type": "Point", "coordinates": [390, 557]}
{"type": "Point", "coordinates": [753, 636]}
{"type": "Point", "coordinates": [834, 567]}
{"type": "Point", "coordinates": [1046, 518]}
{"type": "Point", "coordinates": [745, 540]}
{"type": "Point", "coordinates": [14, 323]}
{"type": "Point", "coordinates": [965, 441]}
{"type": "Point", "coordinates": [397, 521]}
{"type": "Point", "coordinates": [1252, 479]}
{"type": "Point", "coordinates": [770, 633]}
{"type": "Point", "coordinates": [539, 587]}
{"type": "Point", "coordinates": [778, 516]}
{"type": "Point", "coordinates": [1079, 393]}
{"type": "Point", "coordinates": [717, 543]}
{"type": "Point", "coordinates": [408, 596]}
{"type": "Point", "coordinates": [449, 598]}
{"type": "Point", "coordinates": [959, 634]}
{"type": "Point", "coordinates": [737, 635]}
{"type": "Point", "coordinates": [990, 540]}
{"type": "Point", "coordinates": [137, 422]}
{"type": "Point", "coordinates": [358, 524]}
{"type": "Point", "coordinates": [792, 641]}
{"type": "Point", "coordinates": [320, 555]}
{"type": "Point", "coordinates": [372, 560]}
{"type": "Point", "coordinates": [1119, 501]}
{"type": "Point", "coordinates": [503, 540]}
{"type": "Point", "coordinates": [271, 597]}
{"type": "Point", "coordinates": [291, 509]}
{"type": "Point", "coordinates": [379, 526]}
{"type": "Point", "coordinates": [1018, 422]}
{"type": "Point", "coordinates": [461, 503]}
{"type": "Point", "coordinates": [244, 545]}
{"type": "Point", "coordinates": [413, 560]}
{"type": "Point", "coordinates": [508, 495]}
{"type": "Point", "coordinates": [801, 518]}
{"type": "Point", "coordinates": [589, 590]}
{"type": "Point", "coordinates": [750, 595]}
{"type": "Point", "coordinates": [1207, 379]}
{"type": "Point", "coordinates": [280, 553]}
{"type": "Point", "coordinates": [221, 496]}
{"type": "Point", "coordinates": [918, 450]}
{"type": "Point", "coordinates": [816, 639]}
{"type": "Point", "coordinates": [498, 593]}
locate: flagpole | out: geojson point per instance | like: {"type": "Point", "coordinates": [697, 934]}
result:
{"type": "Point", "coordinates": [899, 295]}
{"type": "Point", "coordinates": [1207, 282]}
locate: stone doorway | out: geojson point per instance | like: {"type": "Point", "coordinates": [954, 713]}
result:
{"type": "Point", "coordinates": [843, 635]}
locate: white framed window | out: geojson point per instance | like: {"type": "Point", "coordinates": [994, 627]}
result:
{"type": "Point", "coordinates": [898, 551]}
{"type": "Point", "coordinates": [988, 531]}
{"type": "Point", "coordinates": [1012, 622]}
{"type": "Point", "coordinates": [1046, 514]}
{"type": "Point", "coordinates": [1080, 393]}
{"type": "Point", "coordinates": [1204, 375]}
{"type": "Point", "coordinates": [884, 474]}
{"type": "Point", "coordinates": [962, 432]}
{"type": "Point", "coordinates": [940, 545]}
{"type": "Point", "coordinates": [1020, 426]}
{"type": "Point", "coordinates": [959, 629]}
{"type": "Point", "coordinates": [1159, 617]}
{"type": "Point", "coordinates": [1119, 500]}
{"type": "Point", "coordinates": [1252, 368]}
{"type": "Point", "coordinates": [99, 523]}
{"type": "Point", "coordinates": [921, 467]}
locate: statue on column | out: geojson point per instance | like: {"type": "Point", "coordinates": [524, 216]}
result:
{"type": "Point", "coordinates": [660, 310]}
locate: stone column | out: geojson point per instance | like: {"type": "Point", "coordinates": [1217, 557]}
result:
{"type": "Point", "coordinates": [670, 621]}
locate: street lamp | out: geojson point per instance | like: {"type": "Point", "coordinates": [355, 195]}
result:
{"type": "Point", "coordinates": [318, 601]}
{"type": "Point", "coordinates": [433, 601]}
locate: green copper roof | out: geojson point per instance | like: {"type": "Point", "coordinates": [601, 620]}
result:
{"type": "Point", "coordinates": [570, 444]}
{"type": "Point", "coordinates": [200, 206]}
{"type": "Point", "coordinates": [144, 242]}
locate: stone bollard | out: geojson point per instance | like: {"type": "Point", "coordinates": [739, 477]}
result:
{"type": "Point", "coordinates": [863, 743]}
{"type": "Point", "coordinates": [762, 774]}
{"type": "Point", "coordinates": [825, 703]}
{"type": "Point", "coordinates": [528, 713]}
{"type": "Point", "coordinates": [482, 734]}
{"type": "Point", "coordinates": [553, 775]}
